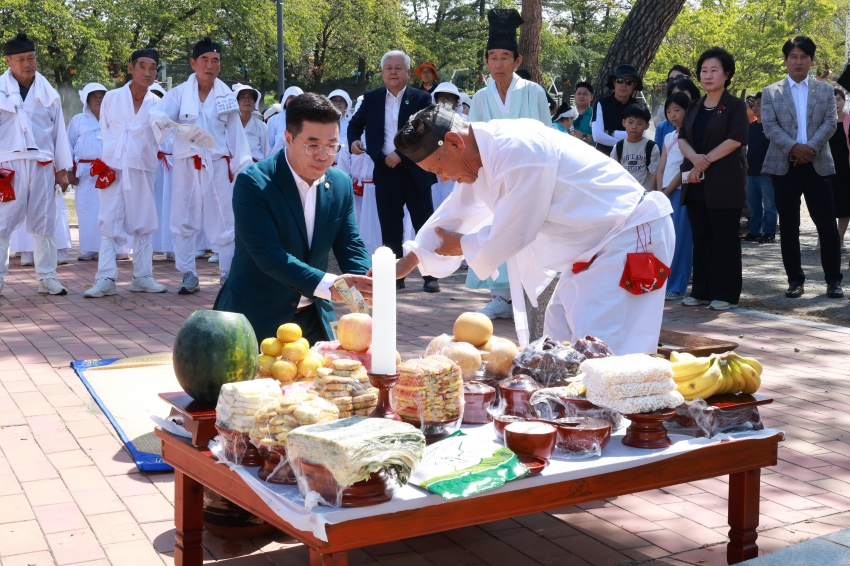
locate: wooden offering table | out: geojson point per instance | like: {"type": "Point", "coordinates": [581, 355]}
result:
{"type": "Point", "coordinates": [195, 468]}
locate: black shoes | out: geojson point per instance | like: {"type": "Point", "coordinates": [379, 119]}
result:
{"type": "Point", "coordinates": [834, 291]}
{"type": "Point", "coordinates": [399, 284]}
{"type": "Point", "coordinates": [751, 237]}
{"type": "Point", "coordinates": [431, 285]}
{"type": "Point", "coordinates": [795, 291]}
{"type": "Point", "coordinates": [767, 238]}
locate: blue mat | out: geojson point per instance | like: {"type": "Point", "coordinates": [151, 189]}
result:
{"type": "Point", "coordinates": [145, 461]}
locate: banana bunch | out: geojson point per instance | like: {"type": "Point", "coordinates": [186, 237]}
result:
{"type": "Point", "coordinates": [716, 374]}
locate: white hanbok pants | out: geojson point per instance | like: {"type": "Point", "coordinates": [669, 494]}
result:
{"type": "Point", "coordinates": [35, 201]}
{"type": "Point", "coordinates": [162, 239]}
{"type": "Point", "coordinates": [22, 241]}
{"type": "Point", "coordinates": [87, 201]}
{"type": "Point", "coordinates": [202, 198]}
{"type": "Point", "coordinates": [592, 301]}
{"type": "Point", "coordinates": [127, 210]}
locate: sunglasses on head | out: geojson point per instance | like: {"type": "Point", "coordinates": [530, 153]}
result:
{"type": "Point", "coordinates": [627, 82]}
{"type": "Point", "coordinates": [677, 77]}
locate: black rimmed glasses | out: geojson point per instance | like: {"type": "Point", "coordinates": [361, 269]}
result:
{"type": "Point", "coordinates": [315, 148]}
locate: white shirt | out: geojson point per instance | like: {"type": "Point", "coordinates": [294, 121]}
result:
{"type": "Point", "coordinates": [84, 136]}
{"type": "Point", "coordinates": [505, 106]}
{"type": "Point", "coordinates": [258, 138]}
{"type": "Point", "coordinates": [308, 202]}
{"type": "Point", "coordinates": [391, 108]}
{"type": "Point", "coordinates": [800, 94]}
{"type": "Point", "coordinates": [128, 139]}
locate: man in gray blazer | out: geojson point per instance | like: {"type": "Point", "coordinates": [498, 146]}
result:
{"type": "Point", "coordinates": [799, 117]}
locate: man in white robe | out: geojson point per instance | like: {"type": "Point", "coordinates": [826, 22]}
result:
{"type": "Point", "coordinates": [36, 155]}
{"type": "Point", "coordinates": [256, 130]}
{"type": "Point", "coordinates": [542, 202]}
{"type": "Point", "coordinates": [506, 95]}
{"type": "Point", "coordinates": [127, 206]}
{"type": "Point", "coordinates": [210, 149]}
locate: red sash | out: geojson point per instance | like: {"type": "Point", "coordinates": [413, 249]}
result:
{"type": "Point", "coordinates": [199, 163]}
{"type": "Point", "coordinates": [105, 175]}
{"type": "Point", "coordinates": [81, 161]}
{"type": "Point", "coordinates": [162, 155]}
{"type": "Point", "coordinates": [7, 192]}
{"type": "Point", "coordinates": [358, 187]}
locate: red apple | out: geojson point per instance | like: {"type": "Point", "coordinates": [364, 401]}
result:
{"type": "Point", "coordinates": [355, 332]}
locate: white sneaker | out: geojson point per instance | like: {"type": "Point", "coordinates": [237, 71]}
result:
{"type": "Point", "coordinates": [692, 302]}
{"type": "Point", "coordinates": [119, 257]}
{"type": "Point", "coordinates": [213, 258]}
{"type": "Point", "coordinates": [87, 256]}
{"type": "Point", "coordinates": [146, 284]}
{"type": "Point", "coordinates": [51, 287]}
{"type": "Point", "coordinates": [101, 288]}
{"type": "Point", "coordinates": [721, 306]}
{"type": "Point", "coordinates": [27, 259]}
{"type": "Point", "coordinates": [169, 256]}
{"type": "Point", "coordinates": [61, 258]}
{"type": "Point", "coordinates": [499, 307]}
{"type": "Point", "coordinates": [223, 278]}
{"type": "Point", "coordinates": [200, 253]}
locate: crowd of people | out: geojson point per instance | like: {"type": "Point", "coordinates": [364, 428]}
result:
{"type": "Point", "coordinates": [156, 171]}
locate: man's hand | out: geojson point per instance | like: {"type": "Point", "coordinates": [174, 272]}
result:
{"type": "Point", "coordinates": [694, 176]}
{"type": "Point", "coordinates": [802, 154]}
{"type": "Point", "coordinates": [357, 148]}
{"type": "Point", "coordinates": [451, 242]}
{"type": "Point", "coordinates": [392, 160]}
{"type": "Point", "coordinates": [403, 266]}
{"type": "Point", "coordinates": [362, 282]}
{"type": "Point", "coordinates": [61, 179]}
{"type": "Point", "coordinates": [73, 179]}
{"type": "Point", "coordinates": [701, 162]}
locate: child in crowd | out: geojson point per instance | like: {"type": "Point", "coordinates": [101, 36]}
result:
{"type": "Point", "coordinates": [670, 182]}
{"type": "Point", "coordinates": [760, 198]}
{"type": "Point", "coordinates": [637, 154]}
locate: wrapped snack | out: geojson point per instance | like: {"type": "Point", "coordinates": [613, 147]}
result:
{"type": "Point", "coordinates": [235, 413]}
{"type": "Point", "coordinates": [274, 422]}
{"type": "Point", "coordinates": [331, 351]}
{"type": "Point", "coordinates": [592, 348]}
{"type": "Point", "coordinates": [554, 403]}
{"type": "Point", "coordinates": [429, 391]}
{"type": "Point", "coordinates": [635, 383]}
{"type": "Point", "coordinates": [548, 361]}
{"type": "Point", "coordinates": [330, 459]}
{"type": "Point", "coordinates": [346, 385]}
{"type": "Point", "coordinates": [698, 418]}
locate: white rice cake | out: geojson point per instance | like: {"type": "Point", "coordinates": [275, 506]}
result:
{"type": "Point", "coordinates": [627, 390]}
{"type": "Point", "coordinates": [631, 368]}
{"type": "Point", "coordinates": [633, 405]}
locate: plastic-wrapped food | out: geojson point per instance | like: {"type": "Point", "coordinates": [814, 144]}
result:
{"type": "Point", "coordinates": [346, 385]}
{"type": "Point", "coordinates": [581, 437]}
{"type": "Point", "coordinates": [618, 370]}
{"type": "Point", "coordinates": [515, 395]}
{"type": "Point", "coordinates": [592, 348]}
{"type": "Point", "coordinates": [477, 400]}
{"type": "Point", "coordinates": [635, 383]}
{"type": "Point", "coordinates": [429, 391]}
{"type": "Point", "coordinates": [548, 361]}
{"type": "Point", "coordinates": [698, 418]}
{"type": "Point", "coordinates": [331, 351]}
{"type": "Point", "coordinates": [557, 402]}
{"type": "Point", "coordinates": [644, 404]}
{"type": "Point", "coordinates": [329, 459]}
{"type": "Point", "coordinates": [235, 413]}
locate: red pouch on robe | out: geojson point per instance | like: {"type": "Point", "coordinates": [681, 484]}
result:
{"type": "Point", "coordinates": [105, 175]}
{"type": "Point", "coordinates": [643, 272]}
{"type": "Point", "coordinates": [358, 189]}
{"type": "Point", "coordinates": [7, 192]}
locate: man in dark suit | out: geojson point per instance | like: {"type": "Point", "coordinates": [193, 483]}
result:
{"type": "Point", "coordinates": [398, 180]}
{"type": "Point", "coordinates": [290, 211]}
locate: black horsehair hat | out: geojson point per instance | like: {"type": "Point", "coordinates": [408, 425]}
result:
{"type": "Point", "coordinates": [206, 45]}
{"type": "Point", "coordinates": [149, 53]}
{"type": "Point", "coordinates": [18, 44]}
{"type": "Point", "coordinates": [431, 141]}
{"type": "Point", "coordinates": [623, 71]}
{"type": "Point", "coordinates": [503, 25]}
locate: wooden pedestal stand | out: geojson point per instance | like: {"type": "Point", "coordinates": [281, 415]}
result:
{"type": "Point", "coordinates": [198, 418]}
{"type": "Point", "coordinates": [647, 429]}
{"type": "Point", "coordinates": [384, 383]}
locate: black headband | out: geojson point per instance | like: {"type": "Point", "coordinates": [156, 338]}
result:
{"type": "Point", "coordinates": [431, 142]}
{"type": "Point", "coordinates": [18, 44]}
{"type": "Point", "coordinates": [206, 45]}
{"type": "Point", "coordinates": [149, 53]}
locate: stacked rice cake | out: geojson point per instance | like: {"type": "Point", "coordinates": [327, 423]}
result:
{"type": "Point", "coordinates": [239, 402]}
{"type": "Point", "coordinates": [346, 385]}
{"type": "Point", "coordinates": [352, 449]}
{"type": "Point", "coordinates": [635, 383]}
{"type": "Point", "coordinates": [275, 421]}
{"type": "Point", "coordinates": [429, 389]}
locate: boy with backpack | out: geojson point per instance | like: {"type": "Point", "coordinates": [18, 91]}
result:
{"type": "Point", "coordinates": [637, 154]}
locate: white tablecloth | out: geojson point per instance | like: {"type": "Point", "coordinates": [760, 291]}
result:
{"type": "Point", "coordinates": [288, 503]}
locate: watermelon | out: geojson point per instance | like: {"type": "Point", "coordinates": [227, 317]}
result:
{"type": "Point", "coordinates": [214, 348]}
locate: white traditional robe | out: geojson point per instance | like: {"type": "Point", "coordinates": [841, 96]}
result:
{"type": "Point", "coordinates": [34, 145]}
{"type": "Point", "coordinates": [86, 144]}
{"type": "Point", "coordinates": [203, 197]}
{"type": "Point", "coordinates": [22, 241]}
{"type": "Point", "coordinates": [258, 138]}
{"type": "Point", "coordinates": [163, 240]}
{"type": "Point", "coordinates": [543, 202]}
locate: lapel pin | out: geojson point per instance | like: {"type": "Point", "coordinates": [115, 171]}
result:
{"type": "Point", "coordinates": [327, 186]}
{"type": "Point", "coordinates": [407, 101]}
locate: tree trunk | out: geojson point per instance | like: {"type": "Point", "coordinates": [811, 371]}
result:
{"type": "Point", "coordinates": [360, 85]}
{"type": "Point", "coordinates": [529, 38]}
{"type": "Point", "coordinates": [638, 38]}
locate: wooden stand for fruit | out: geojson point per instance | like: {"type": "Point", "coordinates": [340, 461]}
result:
{"type": "Point", "coordinates": [198, 418]}
{"type": "Point", "coordinates": [384, 383]}
{"type": "Point", "coordinates": [722, 412]}
{"type": "Point", "coordinates": [647, 429]}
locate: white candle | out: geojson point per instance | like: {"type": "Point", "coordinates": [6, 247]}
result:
{"type": "Point", "coordinates": [383, 311]}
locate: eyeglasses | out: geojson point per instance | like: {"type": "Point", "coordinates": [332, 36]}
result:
{"type": "Point", "coordinates": [627, 82]}
{"type": "Point", "coordinates": [315, 148]}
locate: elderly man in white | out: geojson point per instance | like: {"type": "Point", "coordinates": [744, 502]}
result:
{"type": "Point", "coordinates": [543, 202]}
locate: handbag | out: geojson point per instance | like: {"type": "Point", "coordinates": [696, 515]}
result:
{"type": "Point", "coordinates": [643, 272]}
{"type": "Point", "coordinates": [7, 192]}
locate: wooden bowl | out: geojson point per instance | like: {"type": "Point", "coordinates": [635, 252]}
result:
{"type": "Point", "coordinates": [238, 447]}
{"type": "Point", "coordinates": [582, 434]}
{"type": "Point", "coordinates": [272, 455]}
{"type": "Point", "coordinates": [531, 438]}
{"type": "Point", "coordinates": [500, 422]}
{"type": "Point", "coordinates": [377, 489]}
{"type": "Point", "coordinates": [517, 392]}
{"type": "Point", "coordinates": [477, 398]}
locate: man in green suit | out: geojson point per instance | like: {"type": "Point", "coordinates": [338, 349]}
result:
{"type": "Point", "coordinates": [291, 210]}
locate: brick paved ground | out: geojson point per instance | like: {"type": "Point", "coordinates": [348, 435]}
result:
{"type": "Point", "coordinates": [69, 493]}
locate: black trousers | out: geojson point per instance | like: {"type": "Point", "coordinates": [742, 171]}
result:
{"type": "Point", "coordinates": [395, 188]}
{"type": "Point", "coordinates": [803, 180]}
{"type": "Point", "coordinates": [717, 253]}
{"type": "Point", "coordinates": [311, 325]}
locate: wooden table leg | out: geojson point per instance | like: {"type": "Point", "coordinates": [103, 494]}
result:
{"type": "Point", "coordinates": [189, 520]}
{"type": "Point", "coordinates": [335, 559]}
{"type": "Point", "coordinates": [743, 516]}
